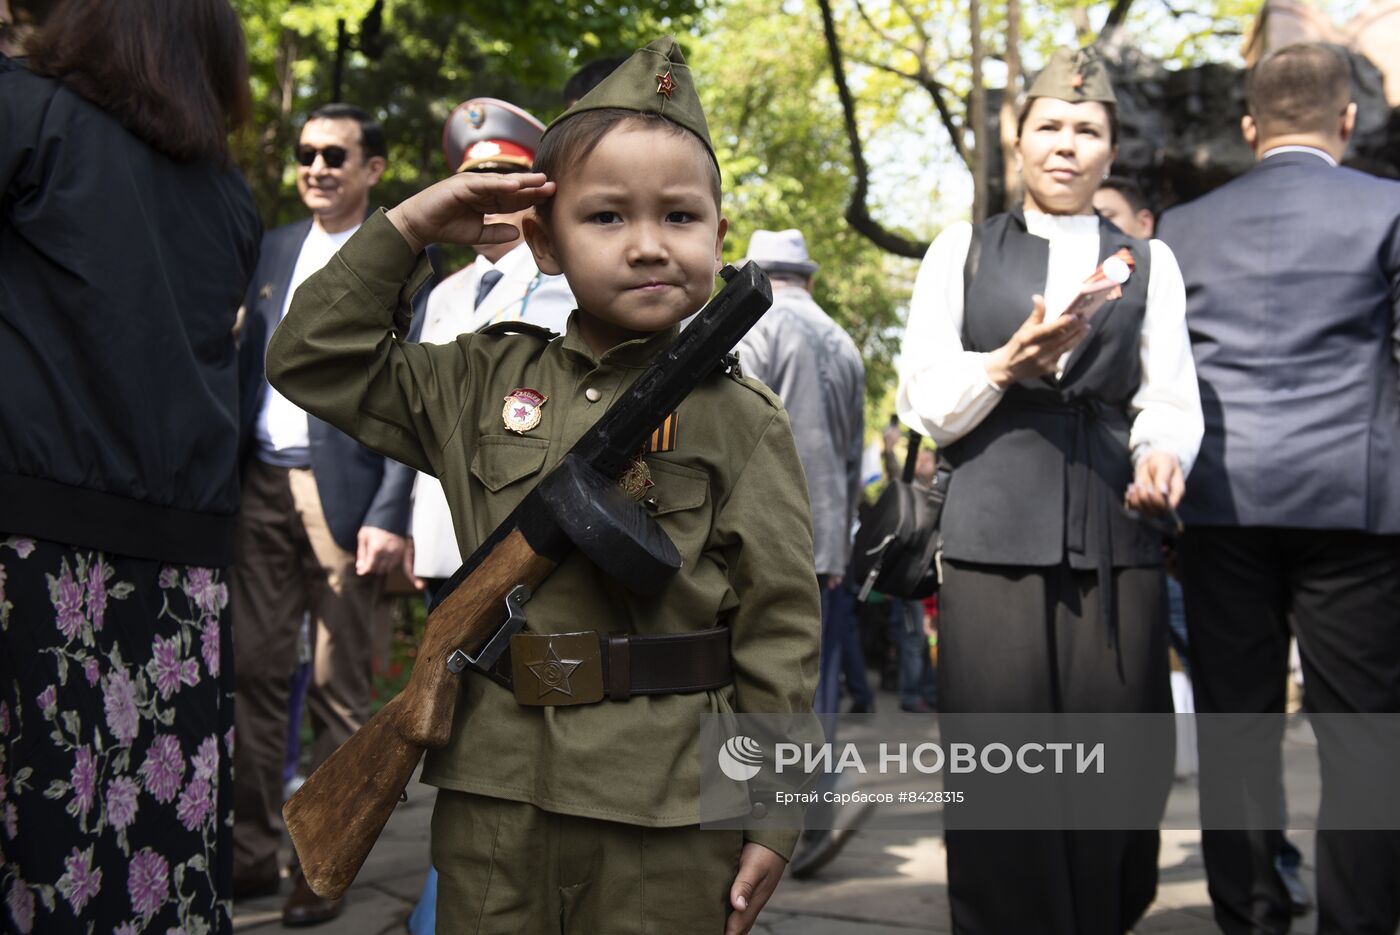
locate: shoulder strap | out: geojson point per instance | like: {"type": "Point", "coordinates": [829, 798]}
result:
{"type": "Point", "coordinates": [519, 327]}
{"type": "Point", "coordinates": [911, 458]}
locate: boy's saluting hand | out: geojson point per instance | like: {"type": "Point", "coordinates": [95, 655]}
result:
{"type": "Point", "coordinates": [454, 210]}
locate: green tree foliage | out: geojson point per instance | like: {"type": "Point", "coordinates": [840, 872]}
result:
{"type": "Point", "coordinates": [409, 62]}
{"type": "Point", "coordinates": [766, 85]}
{"type": "Point", "coordinates": [925, 47]}
{"type": "Point", "coordinates": [777, 130]}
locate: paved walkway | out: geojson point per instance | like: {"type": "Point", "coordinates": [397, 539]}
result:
{"type": "Point", "coordinates": [883, 883]}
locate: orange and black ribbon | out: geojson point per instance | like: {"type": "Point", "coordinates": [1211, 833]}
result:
{"type": "Point", "coordinates": [666, 436]}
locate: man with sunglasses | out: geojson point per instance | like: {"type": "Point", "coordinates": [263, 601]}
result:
{"type": "Point", "coordinates": [502, 284]}
{"type": "Point", "coordinates": [323, 519]}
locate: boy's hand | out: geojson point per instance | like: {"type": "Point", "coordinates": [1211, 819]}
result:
{"type": "Point", "coordinates": [759, 872]}
{"type": "Point", "coordinates": [453, 210]}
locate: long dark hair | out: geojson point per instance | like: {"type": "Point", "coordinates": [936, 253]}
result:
{"type": "Point", "coordinates": [174, 72]}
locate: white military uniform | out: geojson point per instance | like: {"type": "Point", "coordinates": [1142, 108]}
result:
{"type": "Point", "coordinates": [522, 293]}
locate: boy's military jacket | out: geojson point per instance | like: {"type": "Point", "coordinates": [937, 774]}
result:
{"type": "Point", "coordinates": [729, 491]}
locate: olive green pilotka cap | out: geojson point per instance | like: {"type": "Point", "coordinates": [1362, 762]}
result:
{"type": "Point", "coordinates": [653, 80]}
{"type": "Point", "coordinates": [1074, 75]}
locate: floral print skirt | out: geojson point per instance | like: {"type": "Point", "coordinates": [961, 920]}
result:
{"type": "Point", "coordinates": [116, 710]}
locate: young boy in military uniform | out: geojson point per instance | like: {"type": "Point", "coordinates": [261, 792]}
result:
{"type": "Point", "coordinates": [554, 816]}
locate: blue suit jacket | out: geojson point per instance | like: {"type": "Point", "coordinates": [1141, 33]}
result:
{"type": "Point", "coordinates": [1292, 281]}
{"type": "Point", "coordinates": [358, 487]}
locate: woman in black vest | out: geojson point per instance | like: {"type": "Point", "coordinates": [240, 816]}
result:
{"type": "Point", "coordinates": [1053, 596]}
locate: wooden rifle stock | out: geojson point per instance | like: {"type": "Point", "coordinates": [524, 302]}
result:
{"type": "Point", "coordinates": [337, 815]}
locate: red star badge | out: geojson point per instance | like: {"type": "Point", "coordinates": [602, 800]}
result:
{"type": "Point", "coordinates": [665, 84]}
{"type": "Point", "coordinates": [522, 409]}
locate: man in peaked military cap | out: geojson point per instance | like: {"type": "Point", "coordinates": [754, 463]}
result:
{"type": "Point", "coordinates": [569, 799]}
{"type": "Point", "coordinates": [502, 284]}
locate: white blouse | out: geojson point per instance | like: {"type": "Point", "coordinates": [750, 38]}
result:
{"type": "Point", "coordinates": [944, 391]}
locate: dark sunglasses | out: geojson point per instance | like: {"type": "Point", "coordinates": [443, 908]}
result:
{"type": "Point", "coordinates": [334, 156]}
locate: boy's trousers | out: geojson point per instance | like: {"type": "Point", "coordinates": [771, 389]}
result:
{"type": "Point", "coordinates": [510, 868]}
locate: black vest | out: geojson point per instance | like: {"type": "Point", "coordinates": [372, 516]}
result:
{"type": "Point", "coordinates": [1042, 478]}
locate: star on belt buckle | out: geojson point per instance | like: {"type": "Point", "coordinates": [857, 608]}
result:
{"type": "Point", "coordinates": [556, 668]}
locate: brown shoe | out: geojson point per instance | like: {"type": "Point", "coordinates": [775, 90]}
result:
{"type": "Point", "coordinates": [304, 907]}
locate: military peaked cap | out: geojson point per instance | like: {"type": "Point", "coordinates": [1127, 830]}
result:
{"type": "Point", "coordinates": [486, 133]}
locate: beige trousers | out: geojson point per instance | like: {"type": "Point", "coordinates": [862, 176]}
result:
{"type": "Point", "coordinates": [289, 566]}
{"type": "Point", "coordinates": [510, 868]}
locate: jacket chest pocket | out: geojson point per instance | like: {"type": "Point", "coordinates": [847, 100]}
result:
{"type": "Point", "coordinates": [505, 466]}
{"type": "Point", "coordinates": [682, 505]}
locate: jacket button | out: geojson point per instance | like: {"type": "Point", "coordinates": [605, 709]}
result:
{"type": "Point", "coordinates": [759, 811]}
{"type": "Point", "coordinates": [592, 395]}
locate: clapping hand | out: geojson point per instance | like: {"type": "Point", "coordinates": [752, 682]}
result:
{"type": "Point", "coordinates": [454, 210]}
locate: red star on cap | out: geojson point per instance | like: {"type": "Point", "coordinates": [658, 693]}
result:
{"type": "Point", "coordinates": [665, 84]}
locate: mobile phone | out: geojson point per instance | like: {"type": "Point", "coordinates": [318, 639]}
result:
{"type": "Point", "coordinates": [1091, 297]}
{"type": "Point", "coordinates": [1103, 286]}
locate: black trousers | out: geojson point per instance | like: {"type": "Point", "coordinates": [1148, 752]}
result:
{"type": "Point", "coordinates": [1018, 640]}
{"type": "Point", "coordinates": [1341, 590]}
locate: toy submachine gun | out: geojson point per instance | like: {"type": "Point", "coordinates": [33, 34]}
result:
{"type": "Point", "coordinates": [338, 814]}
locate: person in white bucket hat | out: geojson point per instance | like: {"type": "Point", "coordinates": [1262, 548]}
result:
{"type": "Point", "coordinates": [814, 366]}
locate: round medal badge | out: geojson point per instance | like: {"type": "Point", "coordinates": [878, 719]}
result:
{"type": "Point", "coordinates": [521, 412]}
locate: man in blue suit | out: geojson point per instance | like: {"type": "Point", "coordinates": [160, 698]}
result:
{"type": "Point", "coordinates": [322, 520]}
{"type": "Point", "coordinates": [1293, 508]}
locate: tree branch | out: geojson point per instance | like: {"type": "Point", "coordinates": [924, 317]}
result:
{"type": "Point", "coordinates": [935, 89]}
{"type": "Point", "coordinates": [1116, 16]}
{"type": "Point", "coordinates": [888, 69]}
{"type": "Point", "coordinates": [857, 211]}
{"type": "Point", "coordinates": [882, 33]}
{"type": "Point", "coordinates": [919, 27]}
{"type": "Point", "coordinates": [978, 116]}
{"type": "Point", "coordinates": [945, 114]}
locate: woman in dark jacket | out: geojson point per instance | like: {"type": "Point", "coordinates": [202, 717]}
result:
{"type": "Point", "coordinates": [126, 243]}
{"type": "Point", "coordinates": [1053, 597]}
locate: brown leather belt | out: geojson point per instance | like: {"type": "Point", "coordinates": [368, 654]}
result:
{"type": "Point", "coordinates": [588, 666]}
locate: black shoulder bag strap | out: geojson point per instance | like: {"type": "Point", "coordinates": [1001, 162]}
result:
{"type": "Point", "coordinates": [911, 458]}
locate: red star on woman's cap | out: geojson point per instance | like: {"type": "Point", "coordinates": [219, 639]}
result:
{"type": "Point", "coordinates": [665, 84]}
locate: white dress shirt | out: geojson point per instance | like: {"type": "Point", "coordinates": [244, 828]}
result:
{"type": "Point", "coordinates": [944, 391]}
{"type": "Point", "coordinates": [521, 294]}
{"type": "Point", "coordinates": [281, 428]}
